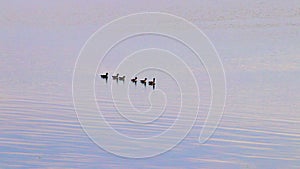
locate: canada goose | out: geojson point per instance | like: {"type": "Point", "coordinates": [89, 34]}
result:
{"type": "Point", "coordinates": [115, 77]}
{"type": "Point", "coordinates": [134, 80]}
{"type": "Point", "coordinates": [152, 83]}
{"type": "Point", "coordinates": [143, 81]}
{"type": "Point", "coordinates": [104, 76]}
{"type": "Point", "coordinates": [122, 78]}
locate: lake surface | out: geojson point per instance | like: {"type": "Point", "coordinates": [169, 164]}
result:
{"type": "Point", "coordinates": [258, 46]}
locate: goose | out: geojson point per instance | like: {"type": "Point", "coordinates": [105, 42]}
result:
{"type": "Point", "coordinates": [122, 78]}
{"type": "Point", "coordinates": [115, 77]}
{"type": "Point", "coordinates": [152, 83]}
{"type": "Point", "coordinates": [143, 81]}
{"type": "Point", "coordinates": [134, 80]}
{"type": "Point", "coordinates": [104, 76]}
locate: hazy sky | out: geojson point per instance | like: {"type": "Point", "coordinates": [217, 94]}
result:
{"type": "Point", "coordinates": [39, 36]}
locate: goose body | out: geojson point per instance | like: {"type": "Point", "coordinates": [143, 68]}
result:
{"type": "Point", "coordinates": [152, 83]}
{"type": "Point", "coordinates": [105, 76]}
{"type": "Point", "coordinates": [116, 76]}
{"type": "Point", "coordinates": [122, 78]}
{"type": "Point", "coordinates": [144, 81]}
{"type": "Point", "coordinates": [134, 80]}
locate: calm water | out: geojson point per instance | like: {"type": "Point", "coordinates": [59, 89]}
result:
{"type": "Point", "coordinates": [260, 126]}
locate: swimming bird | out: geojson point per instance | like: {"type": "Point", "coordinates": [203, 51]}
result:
{"type": "Point", "coordinates": [122, 78]}
{"type": "Point", "coordinates": [104, 76]}
{"type": "Point", "coordinates": [134, 80]}
{"type": "Point", "coordinates": [116, 76]}
{"type": "Point", "coordinates": [144, 81]}
{"type": "Point", "coordinates": [152, 83]}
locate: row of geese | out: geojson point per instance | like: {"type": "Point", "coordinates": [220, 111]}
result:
{"type": "Point", "coordinates": [134, 80]}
